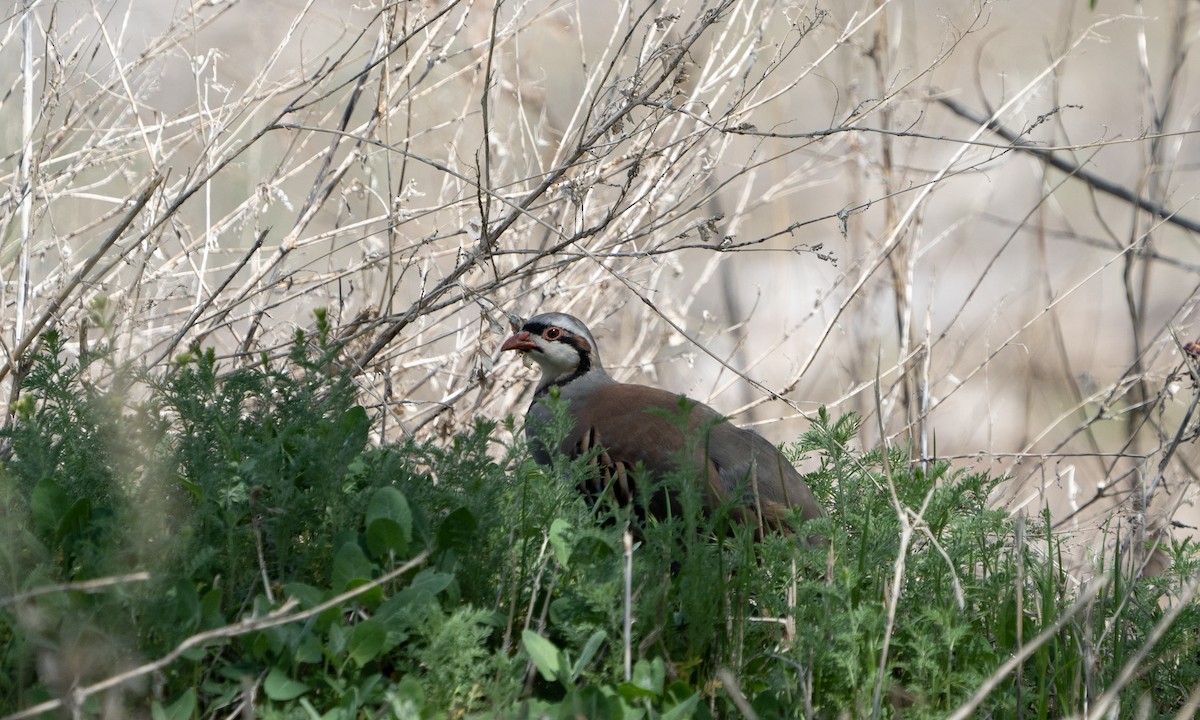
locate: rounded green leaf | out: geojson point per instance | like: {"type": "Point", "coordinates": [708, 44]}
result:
{"type": "Point", "coordinates": [350, 564]}
{"type": "Point", "coordinates": [366, 641]}
{"type": "Point", "coordinates": [457, 529]}
{"type": "Point", "coordinates": [278, 686]}
{"type": "Point", "coordinates": [388, 502]}
{"type": "Point", "coordinates": [389, 522]}
{"type": "Point", "coordinates": [183, 708]}
{"type": "Point", "coordinates": [386, 536]}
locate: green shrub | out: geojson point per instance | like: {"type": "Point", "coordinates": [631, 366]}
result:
{"type": "Point", "coordinates": [245, 491]}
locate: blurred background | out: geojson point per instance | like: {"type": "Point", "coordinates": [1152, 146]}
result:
{"type": "Point", "coordinates": [972, 223]}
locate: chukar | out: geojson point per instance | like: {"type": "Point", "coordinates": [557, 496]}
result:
{"type": "Point", "coordinates": [640, 425]}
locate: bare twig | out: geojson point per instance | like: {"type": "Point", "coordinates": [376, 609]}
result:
{"type": "Point", "coordinates": [282, 615]}
{"type": "Point", "coordinates": [79, 586]}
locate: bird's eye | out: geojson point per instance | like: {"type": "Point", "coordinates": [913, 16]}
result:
{"type": "Point", "coordinates": [552, 333]}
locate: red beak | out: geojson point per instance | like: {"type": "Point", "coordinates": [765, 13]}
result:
{"type": "Point", "coordinates": [520, 341]}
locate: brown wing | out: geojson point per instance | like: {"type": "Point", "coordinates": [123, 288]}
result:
{"type": "Point", "coordinates": [769, 482]}
{"type": "Point", "coordinates": [638, 424]}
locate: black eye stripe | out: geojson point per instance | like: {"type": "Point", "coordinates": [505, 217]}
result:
{"type": "Point", "coordinates": [548, 332]}
{"type": "Point", "coordinates": [579, 343]}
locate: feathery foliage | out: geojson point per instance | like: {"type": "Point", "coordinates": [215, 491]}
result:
{"type": "Point", "coordinates": [239, 493]}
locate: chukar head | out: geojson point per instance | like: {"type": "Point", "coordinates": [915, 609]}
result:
{"type": "Point", "coordinates": [561, 345]}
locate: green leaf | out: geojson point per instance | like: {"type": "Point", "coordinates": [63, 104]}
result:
{"type": "Point", "coordinates": [404, 611]}
{"type": "Point", "coordinates": [191, 487]}
{"type": "Point", "coordinates": [355, 426]}
{"type": "Point", "coordinates": [366, 641]}
{"type": "Point", "coordinates": [590, 701]}
{"type": "Point", "coordinates": [388, 502]}
{"type": "Point", "coordinates": [633, 693]}
{"type": "Point", "coordinates": [423, 588]}
{"type": "Point", "coordinates": [308, 649]}
{"type": "Point", "coordinates": [389, 522]}
{"type": "Point", "coordinates": [350, 564]}
{"type": "Point", "coordinates": [75, 520]}
{"type": "Point", "coordinates": [370, 598]}
{"type": "Point", "coordinates": [260, 645]}
{"type": "Point", "coordinates": [337, 639]}
{"type": "Point", "coordinates": [408, 698]}
{"type": "Point", "coordinates": [457, 530]}
{"type": "Point", "coordinates": [184, 604]}
{"type": "Point", "coordinates": [560, 540]}
{"type": "Point", "coordinates": [308, 595]}
{"type": "Point", "coordinates": [589, 652]}
{"type": "Point", "coordinates": [649, 675]}
{"type": "Point", "coordinates": [183, 708]}
{"type": "Point", "coordinates": [278, 686]}
{"type": "Point", "coordinates": [386, 536]}
{"type": "Point", "coordinates": [210, 609]}
{"type": "Point", "coordinates": [548, 659]}
{"type": "Point", "coordinates": [195, 654]}
{"type": "Point", "coordinates": [684, 709]}
{"type": "Point", "coordinates": [47, 504]}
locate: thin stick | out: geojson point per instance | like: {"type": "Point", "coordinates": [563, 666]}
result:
{"type": "Point", "coordinates": [276, 618]}
{"type": "Point", "coordinates": [83, 586]}
{"type": "Point", "coordinates": [57, 301]}
{"type": "Point", "coordinates": [968, 708]}
{"type": "Point", "coordinates": [627, 538]}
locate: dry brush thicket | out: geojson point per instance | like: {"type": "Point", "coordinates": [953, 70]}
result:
{"type": "Point", "coordinates": [975, 219]}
